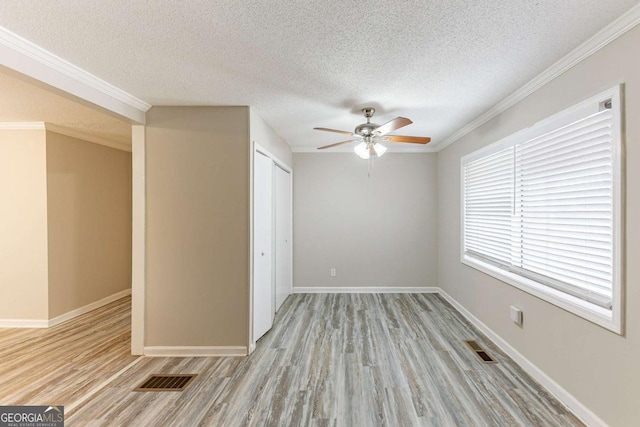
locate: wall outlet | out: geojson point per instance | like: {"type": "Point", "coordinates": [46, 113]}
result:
{"type": "Point", "coordinates": [516, 315]}
{"type": "Point", "coordinates": [333, 272]}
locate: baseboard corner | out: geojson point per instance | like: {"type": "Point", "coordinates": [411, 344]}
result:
{"type": "Point", "coordinates": [87, 308]}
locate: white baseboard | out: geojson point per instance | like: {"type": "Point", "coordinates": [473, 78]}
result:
{"type": "Point", "coordinates": [24, 323]}
{"type": "Point", "coordinates": [365, 290]}
{"type": "Point", "coordinates": [199, 351]}
{"type": "Point", "coordinates": [36, 323]}
{"type": "Point", "coordinates": [573, 404]}
{"type": "Point", "coordinates": [89, 307]}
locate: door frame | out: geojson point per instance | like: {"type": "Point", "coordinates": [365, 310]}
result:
{"type": "Point", "coordinates": [256, 147]}
{"type": "Point", "coordinates": [275, 228]}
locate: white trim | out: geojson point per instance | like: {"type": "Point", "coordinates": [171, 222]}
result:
{"type": "Point", "coordinates": [27, 58]}
{"type": "Point", "coordinates": [588, 311]}
{"type": "Point", "coordinates": [291, 234]}
{"type": "Point", "coordinates": [619, 216]}
{"type": "Point", "coordinates": [252, 149]}
{"type": "Point", "coordinates": [24, 323]}
{"type": "Point", "coordinates": [63, 130]}
{"type": "Point", "coordinates": [22, 126]}
{"type": "Point", "coordinates": [195, 351]}
{"type": "Point", "coordinates": [570, 401]}
{"type": "Point", "coordinates": [259, 148]}
{"type": "Point", "coordinates": [87, 308]}
{"type": "Point", "coordinates": [343, 150]}
{"type": "Point", "coordinates": [37, 323]}
{"type": "Point", "coordinates": [554, 121]}
{"type": "Point", "coordinates": [86, 136]}
{"type": "Point", "coordinates": [255, 147]}
{"type": "Point", "coordinates": [601, 39]}
{"type": "Point", "coordinates": [608, 319]}
{"type": "Point", "coordinates": [138, 240]}
{"type": "Point", "coordinates": [365, 290]}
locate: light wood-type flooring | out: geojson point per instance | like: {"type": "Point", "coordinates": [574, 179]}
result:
{"type": "Point", "coordinates": [59, 365]}
{"type": "Point", "coordinates": [330, 360]}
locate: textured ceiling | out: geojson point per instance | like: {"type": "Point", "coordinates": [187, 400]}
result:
{"type": "Point", "coordinates": [314, 63]}
{"type": "Point", "coordinates": [25, 100]}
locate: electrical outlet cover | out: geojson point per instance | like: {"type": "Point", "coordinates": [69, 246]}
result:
{"type": "Point", "coordinates": [516, 315]}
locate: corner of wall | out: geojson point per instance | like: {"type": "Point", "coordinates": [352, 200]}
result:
{"type": "Point", "coordinates": [23, 185]}
{"type": "Point", "coordinates": [263, 134]}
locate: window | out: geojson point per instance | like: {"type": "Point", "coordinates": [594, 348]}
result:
{"type": "Point", "coordinates": [541, 210]}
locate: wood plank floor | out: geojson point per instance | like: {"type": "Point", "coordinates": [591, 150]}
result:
{"type": "Point", "coordinates": [59, 365]}
{"type": "Point", "coordinates": [340, 360]}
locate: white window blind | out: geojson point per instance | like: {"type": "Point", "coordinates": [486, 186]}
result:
{"type": "Point", "coordinates": [564, 203]}
{"type": "Point", "coordinates": [543, 207]}
{"type": "Point", "coordinates": [489, 207]}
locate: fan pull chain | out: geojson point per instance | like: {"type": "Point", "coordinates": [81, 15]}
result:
{"type": "Point", "coordinates": [370, 166]}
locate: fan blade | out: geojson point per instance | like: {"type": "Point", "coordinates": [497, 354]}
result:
{"type": "Point", "coordinates": [344, 132]}
{"type": "Point", "coordinates": [395, 124]}
{"type": "Point", "coordinates": [338, 143]}
{"type": "Point", "coordinates": [408, 139]}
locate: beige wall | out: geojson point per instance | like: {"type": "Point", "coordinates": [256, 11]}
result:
{"type": "Point", "coordinates": [89, 222]}
{"type": "Point", "coordinates": [261, 133]}
{"type": "Point", "coordinates": [375, 231]}
{"type": "Point", "coordinates": [197, 226]}
{"type": "Point", "coordinates": [601, 369]}
{"type": "Point", "coordinates": [23, 225]}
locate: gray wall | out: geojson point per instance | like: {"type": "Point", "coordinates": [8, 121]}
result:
{"type": "Point", "coordinates": [197, 226]}
{"type": "Point", "coordinates": [375, 231]}
{"type": "Point", "coordinates": [89, 222]}
{"type": "Point", "coordinates": [600, 368]}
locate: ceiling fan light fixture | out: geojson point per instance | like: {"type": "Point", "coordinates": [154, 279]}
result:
{"type": "Point", "coordinates": [362, 150]}
{"type": "Point", "coordinates": [370, 135]}
{"type": "Point", "coordinates": [379, 149]}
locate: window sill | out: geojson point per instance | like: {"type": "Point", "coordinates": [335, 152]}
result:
{"type": "Point", "coordinates": [608, 319]}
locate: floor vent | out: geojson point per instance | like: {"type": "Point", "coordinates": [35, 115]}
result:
{"type": "Point", "coordinates": [165, 383]}
{"type": "Point", "coordinates": [479, 351]}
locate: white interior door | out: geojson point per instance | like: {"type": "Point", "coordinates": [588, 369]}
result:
{"type": "Point", "coordinates": [282, 235]}
{"type": "Point", "coordinates": [262, 245]}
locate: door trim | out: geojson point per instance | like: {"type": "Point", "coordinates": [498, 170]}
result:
{"type": "Point", "coordinates": [275, 219]}
{"type": "Point", "coordinates": [256, 147]}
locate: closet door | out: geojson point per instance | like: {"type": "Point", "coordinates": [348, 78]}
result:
{"type": "Point", "coordinates": [262, 245]}
{"type": "Point", "coordinates": [282, 235]}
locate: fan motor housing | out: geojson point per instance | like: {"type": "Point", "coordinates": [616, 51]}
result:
{"type": "Point", "coordinates": [365, 129]}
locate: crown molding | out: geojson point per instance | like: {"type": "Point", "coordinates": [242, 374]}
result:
{"type": "Point", "coordinates": [67, 131]}
{"type": "Point", "coordinates": [87, 136]}
{"type": "Point", "coordinates": [611, 32]}
{"type": "Point", "coordinates": [23, 56]}
{"type": "Point", "coordinates": [22, 126]}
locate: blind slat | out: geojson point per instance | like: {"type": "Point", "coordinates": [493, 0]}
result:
{"type": "Point", "coordinates": [544, 207]}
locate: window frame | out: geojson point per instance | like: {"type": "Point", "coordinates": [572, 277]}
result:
{"type": "Point", "coordinates": [609, 319]}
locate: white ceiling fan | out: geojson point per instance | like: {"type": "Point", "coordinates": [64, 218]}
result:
{"type": "Point", "coordinates": [370, 135]}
